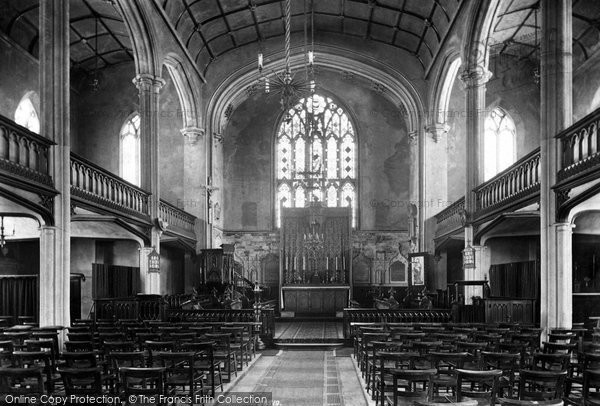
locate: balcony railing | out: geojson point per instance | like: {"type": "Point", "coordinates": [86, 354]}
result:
{"type": "Point", "coordinates": [580, 148]}
{"type": "Point", "coordinates": [451, 218]}
{"type": "Point", "coordinates": [23, 153]}
{"type": "Point", "coordinates": [98, 187]}
{"type": "Point", "coordinates": [515, 185]}
{"type": "Point", "coordinates": [176, 218]}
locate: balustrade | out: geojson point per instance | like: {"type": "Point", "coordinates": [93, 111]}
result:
{"type": "Point", "coordinates": [519, 182]}
{"type": "Point", "coordinates": [24, 153]}
{"type": "Point", "coordinates": [451, 218]}
{"type": "Point", "coordinates": [176, 217]}
{"type": "Point", "coordinates": [580, 147]}
{"type": "Point", "coordinates": [98, 186]}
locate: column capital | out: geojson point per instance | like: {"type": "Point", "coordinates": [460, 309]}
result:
{"type": "Point", "coordinates": [474, 76]}
{"type": "Point", "coordinates": [413, 136]}
{"type": "Point", "coordinates": [437, 130]}
{"type": "Point", "coordinates": [148, 82]}
{"type": "Point", "coordinates": [193, 134]}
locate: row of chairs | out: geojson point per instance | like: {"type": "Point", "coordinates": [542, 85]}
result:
{"type": "Point", "coordinates": [124, 356]}
{"type": "Point", "coordinates": [441, 352]}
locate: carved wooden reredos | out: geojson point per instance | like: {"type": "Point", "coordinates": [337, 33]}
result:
{"type": "Point", "coordinates": [316, 245]}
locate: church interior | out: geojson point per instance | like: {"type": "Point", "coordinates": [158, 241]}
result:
{"type": "Point", "coordinates": [305, 202]}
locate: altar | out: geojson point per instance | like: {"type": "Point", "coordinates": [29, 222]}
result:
{"type": "Point", "coordinates": [315, 260]}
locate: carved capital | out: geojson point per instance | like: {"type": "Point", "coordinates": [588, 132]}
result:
{"type": "Point", "coordinates": [148, 83]}
{"type": "Point", "coordinates": [218, 137]}
{"type": "Point", "coordinates": [437, 130]}
{"type": "Point", "coordinates": [193, 134]}
{"type": "Point", "coordinates": [413, 136]}
{"type": "Point", "coordinates": [475, 76]}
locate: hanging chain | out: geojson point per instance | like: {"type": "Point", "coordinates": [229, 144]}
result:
{"type": "Point", "coordinates": [288, 23]}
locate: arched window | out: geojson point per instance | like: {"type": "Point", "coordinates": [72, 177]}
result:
{"type": "Point", "coordinates": [26, 115]}
{"type": "Point", "coordinates": [129, 162]}
{"type": "Point", "coordinates": [499, 142]}
{"type": "Point", "coordinates": [316, 157]}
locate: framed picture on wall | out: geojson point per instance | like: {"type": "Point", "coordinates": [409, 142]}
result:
{"type": "Point", "coordinates": [417, 268]}
{"type": "Point", "coordinates": [398, 271]}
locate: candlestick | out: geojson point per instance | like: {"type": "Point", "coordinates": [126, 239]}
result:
{"type": "Point", "coordinates": [327, 263]}
{"type": "Point", "coordinates": [336, 263]}
{"type": "Point", "coordinates": [303, 263]}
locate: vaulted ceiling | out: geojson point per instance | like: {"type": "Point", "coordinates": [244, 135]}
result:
{"type": "Point", "coordinates": [212, 28]}
{"type": "Point", "coordinates": [99, 37]}
{"type": "Point", "coordinates": [516, 30]}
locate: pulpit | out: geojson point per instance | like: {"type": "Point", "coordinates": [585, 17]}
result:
{"type": "Point", "coordinates": [315, 259]}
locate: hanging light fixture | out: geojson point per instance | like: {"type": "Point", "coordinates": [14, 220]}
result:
{"type": "Point", "coordinates": [289, 86]}
{"type": "Point", "coordinates": [95, 81]}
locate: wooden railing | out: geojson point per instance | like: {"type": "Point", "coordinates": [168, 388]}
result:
{"type": "Point", "coordinates": [141, 307]}
{"type": "Point", "coordinates": [99, 187]}
{"type": "Point", "coordinates": [357, 315]}
{"type": "Point", "coordinates": [24, 153]}
{"type": "Point", "coordinates": [517, 184]}
{"type": "Point", "coordinates": [580, 145]}
{"type": "Point", "coordinates": [267, 317]}
{"type": "Point", "coordinates": [451, 218]}
{"type": "Point", "coordinates": [176, 218]}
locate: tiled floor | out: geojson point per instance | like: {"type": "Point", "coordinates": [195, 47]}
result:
{"type": "Point", "coordinates": [305, 378]}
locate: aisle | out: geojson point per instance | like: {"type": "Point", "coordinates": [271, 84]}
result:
{"type": "Point", "coordinates": [305, 378]}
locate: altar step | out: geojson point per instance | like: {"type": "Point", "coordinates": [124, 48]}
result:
{"type": "Point", "coordinates": [309, 332]}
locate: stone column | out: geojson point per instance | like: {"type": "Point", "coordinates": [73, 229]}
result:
{"type": "Point", "coordinates": [194, 172]}
{"type": "Point", "coordinates": [55, 241]}
{"type": "Point", "coordinates": [474, 79]}
{"type": "Point", "coordinates": [556, 115]}
{"type": "Point", "coordinates": [149, 90]}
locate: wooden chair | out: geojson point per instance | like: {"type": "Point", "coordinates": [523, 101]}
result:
{"type": "Point", "coordinates": [366, 346]}
{"type": "Point", "coordinates": [205, 361]}
{"type": "Point", "coordinates": [37, 359]}
{"type": "Point", "coordinates": [574, 382]}
{"type": "Point", "coordinates": [149, 382]}
{"type": "Point", "coordinates": [157, 346]}
{"type": "Point", "coordinates": [591, 380]}
{"type": "Point", "coordinates": [410, 385]}
{"type": "Point", "coordinates": [6, 349]}
{"type": "Point", "coordinates": [181, 373]}
{"type": "Point", "coordinates": [224, 353]}
{"type": "Point", "coordinates": [82, 381]}
{"type": "Point", "coordinates": [118, 360]}
{"type": "Point", "coordinates": [383, 382]}
{"type": "Point", "coordinates": [20, 381]}
{"type": "Point", "coordinates": [541, 385]}
{"type": "Point", "coordinates": [550, 362]}
{"type": "Point", "coordinates": [445, 364]}
{"type": "Point", "coordinates": [480, 385]}
{"type": "Point", "coordinates": [507, 363]}
{"type": "Point", "coordinates": [80, 346]}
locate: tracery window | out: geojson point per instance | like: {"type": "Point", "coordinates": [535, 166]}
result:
{"type": "Point", "coordinates": [499, 143]}
{"type": "Point", "coordinates": [130, 164]}
{"type": "Point", "coordinates": [26, 115]}
{"type": "Point", "coordinates": [316, 157]}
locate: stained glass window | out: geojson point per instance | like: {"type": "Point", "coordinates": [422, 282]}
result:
{"type": "Point", "coordinates": [499, 143]}
{"type": "Point", "coordinates": [130, 164]}
{"type": "Point", "coordinates": [316, 157]}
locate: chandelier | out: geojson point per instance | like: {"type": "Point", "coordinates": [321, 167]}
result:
{"type": "Point", "coordinates": [289, 86]}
